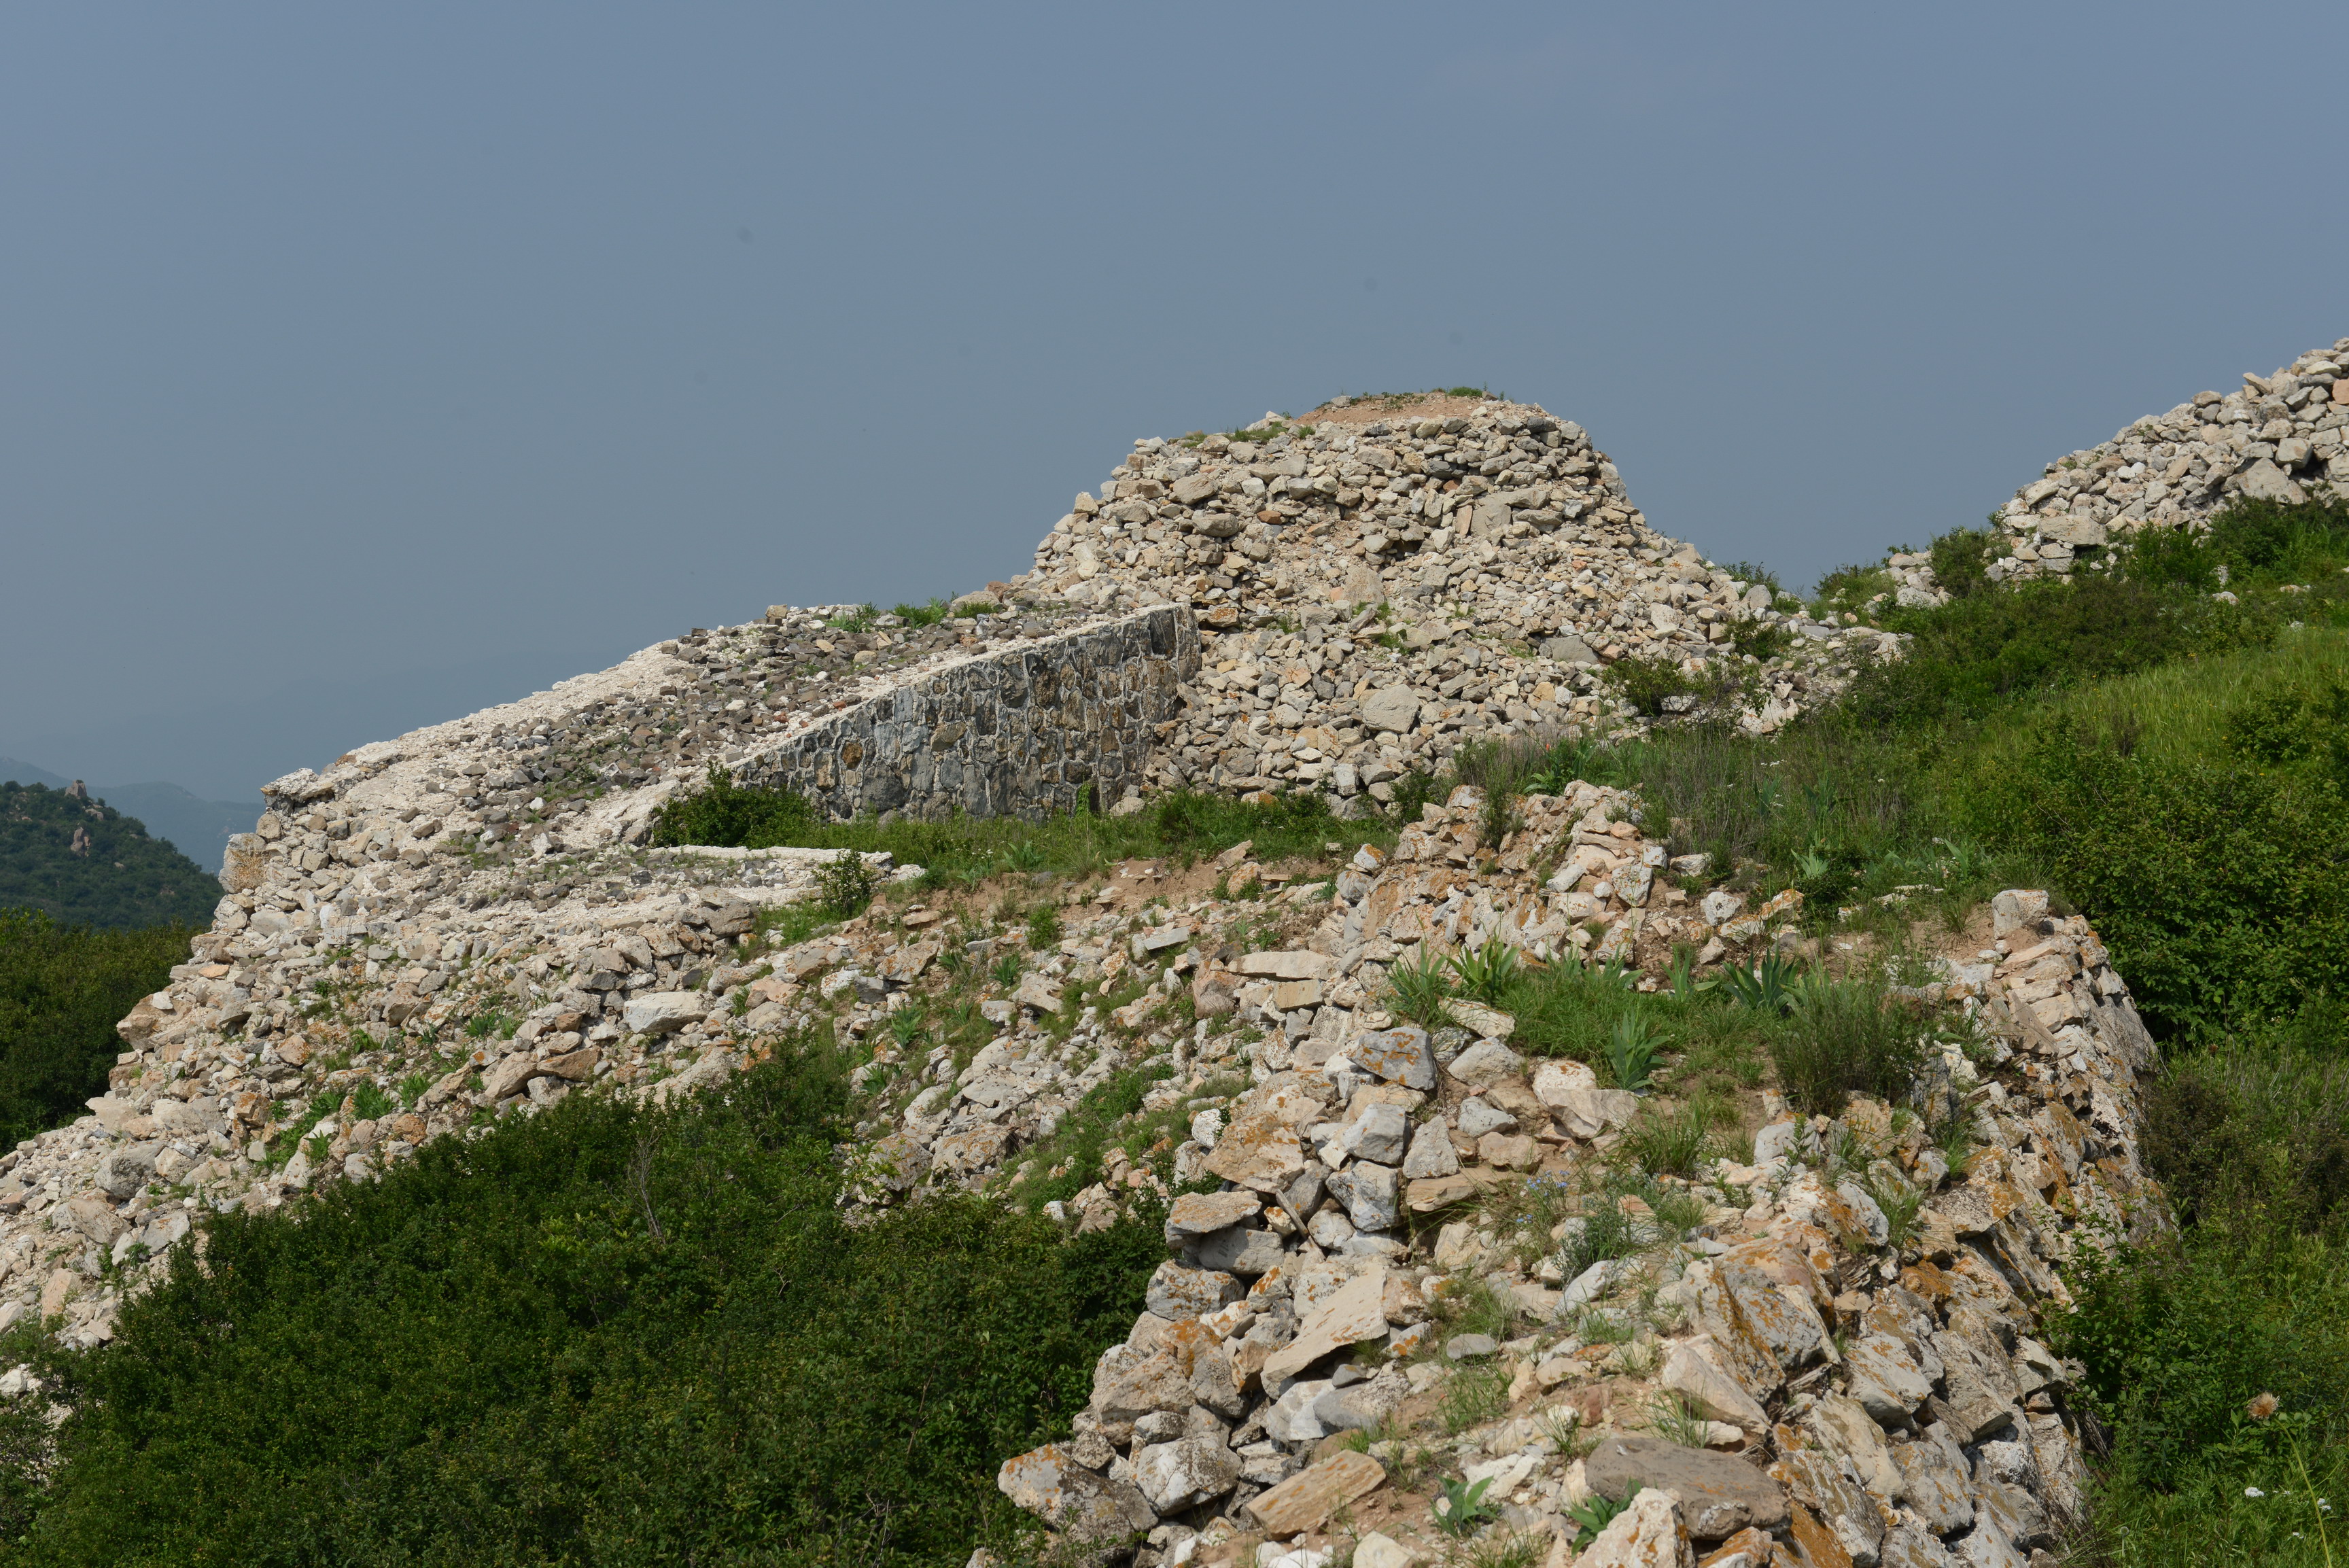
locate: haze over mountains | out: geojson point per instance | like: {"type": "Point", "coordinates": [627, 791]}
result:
{"type": "Point", "coordinates": [197, 828]}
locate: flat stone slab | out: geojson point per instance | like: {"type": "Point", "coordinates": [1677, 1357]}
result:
{"type": "Point", "coordinates": [1358, 1312]}
{"type": "Point", "coordinates": [1720, 1494]}
{"type": "Point", "coordinates": [1307, 1498]}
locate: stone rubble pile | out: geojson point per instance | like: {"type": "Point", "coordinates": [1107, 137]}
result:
{"type": "Point", "coordinates": [1794, 1375]}
{"type": "Point", "coordinates": [2283, 437]}
{"type": "Point", "coordinates": [470, 922]}
{"type": "Point", "coordinates": [1376, 587]}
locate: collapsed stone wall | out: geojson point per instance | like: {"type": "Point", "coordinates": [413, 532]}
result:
{"type": "Point", "coordinates": [494, 869]}
{"type": "Point", "coordinates": [1804, 1375]}
{"type": "Point", "coordinates": [1387, 580]}
{"type": "Point", "coordinates": [1023, 733]}
{"type": "Point", "coordinates": [2280, 436]}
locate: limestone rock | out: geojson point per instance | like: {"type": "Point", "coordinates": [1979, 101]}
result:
{"type": "Point", "coordinates": [1182, 1474]}
{"type": "Point", "coordinates": [1050, 1484]}
{"type": "Point", "coordinates": [1650, 1533]}
{"type": "Point", "coordinates": [1718, 1493]}
{"type": "Point", "coordinates": [1307, 1498]}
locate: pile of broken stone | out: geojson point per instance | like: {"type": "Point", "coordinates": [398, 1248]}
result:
{"type": "Point", "coordinates": [2282, 436]}
{"type": "Point", "coordinates": [468, 920]}
{"type": "Point", "coordinates": [1795, 1380]}
{"type": "Point", "coordinates": [1374, 592]}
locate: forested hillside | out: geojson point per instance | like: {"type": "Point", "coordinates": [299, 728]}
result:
{"type": "Point", "coordinates": [81, 861]}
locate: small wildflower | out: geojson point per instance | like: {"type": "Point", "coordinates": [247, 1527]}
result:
{"type": "Point", "coordinates": [2253, 1492]}
{"type": "Point", "coordinates": [2262, 1408]}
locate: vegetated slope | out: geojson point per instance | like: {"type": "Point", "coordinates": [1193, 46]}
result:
{"type": "Point", "coordinates": [84, 863]}
{"type": "Point", "coordinates": [197, 828]}
{"type": "Point", "coordinates": [61, 990]}
{"type": "Point", "coordinates": [607, 1334]}
{"type": "Point", "coordinates": [2023, 752]}
{"type": "Point", "coordinates": [2167, 755]}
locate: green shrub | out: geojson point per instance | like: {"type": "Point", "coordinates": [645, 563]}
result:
{"type": "Point", "coordinates": [2256, 1126]}
{"type": "Point", "coordinates": [1960, 561]}
{"type": "Point", "coordinates": [1650, 685]}
{"type": "Point", "coordinates": [1847, 1038]}
{"type": "Point", "coordinates": [723, 814]}
{"type": "Point", "coordinates": [62, 988]}
{"type": "Point", "coordinates": [603, 1334]}
{"type": "Point", "coordinates": [1974, 653]}
{"type": "Point", "coordinates": [844, 884]}
{"type": "Point", "coordinates": [2222, 889]}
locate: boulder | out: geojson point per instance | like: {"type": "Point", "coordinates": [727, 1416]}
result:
{"type": "Point", "coordinates": [1487, 1061]}
{"type": "Point", "coordinates": [663, 1012]}
{"type": "Point", "coordinates": [1719, 1493]}
{"type": "Point", "coordinates": [1049, 1483]}
{"type": "Point", "coordinates": [1185, 1473]}
{"type": "Point", "coordinates": [1648, 1534]}
{"type": "Point", "coordinates": [1690, 1372]}
{"type": "Point", "coordinates": [1176, 1292]}
{"type": "Point", "coordinates": [1306, 1500]}
{"type": "Point", "coordinates": [1356, 1312]}
{"type": "Point", "coordinates": [1392, 709]}
{"type": "Point", "coordinates": [1199, 1214]}
{"type": "Point", "coordinates": [1397, 1056]}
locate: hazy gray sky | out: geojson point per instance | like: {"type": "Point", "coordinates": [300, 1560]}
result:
{"type": "Point", "coordinates": [361, 365]}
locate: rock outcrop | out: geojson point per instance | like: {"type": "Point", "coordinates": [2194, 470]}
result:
{"type": "Point", "coordinates": [2280, 436]}
{"type": "Point", "coordinates": [1838, 1342]}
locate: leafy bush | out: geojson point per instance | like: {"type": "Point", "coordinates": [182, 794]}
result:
{"type": "Point", "coordinates": [844, 884]}
{"type": "Point", "coordinates": [2222, 889]}
{"type": "Point", "coordinates": [1650, 685]}
{"type": "Point", "coordinates": [2179, 1340]}
{"type": "Point", "coordinates": [1960, 561]}
{"type": "Point", "coordinates": [62, 988]}
{"type": "Point", "coordinates": [2255, 1126]}
{"type": "Point", "coordinates": [1974, 653]}
{"type": "Point", "coordinates": [1847, 1038]}
{"type": "Point", "coordinates": [603, 1334]}
{"type": "Point", "coordinates": [2249, 544]}
{"type": "Point", "coordinates": [722, 813]}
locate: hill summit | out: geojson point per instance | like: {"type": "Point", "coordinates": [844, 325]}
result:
{"type": "Point", "coordinates": [79, 861]}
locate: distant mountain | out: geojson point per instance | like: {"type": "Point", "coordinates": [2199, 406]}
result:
{"type": "Point", "coordinates": [197, 828]}
{"type": "Point", "coordinates": [82, 862]}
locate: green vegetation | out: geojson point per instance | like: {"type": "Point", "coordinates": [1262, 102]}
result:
{"type": "Point", "coordinates": [964, 851]}
{"type": "Point", "coordinates": [1847, 1038]}
{"type": "Point", "coordinates": [1460, 1510]}
{"type": "Point", "coordinates": [606, 1334]}
{"type": "Point", "coordinates": [1650, 685]}
{"type": "Point", "coordinates": [61, 990]}
{"type": "Point", "coordinates": [83, 862]}
{"type": "Point", "coordinates": [2169, 763]}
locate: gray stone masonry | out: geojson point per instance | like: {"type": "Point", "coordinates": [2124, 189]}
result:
{"type": "Point", "coordinates": [1019, 733]}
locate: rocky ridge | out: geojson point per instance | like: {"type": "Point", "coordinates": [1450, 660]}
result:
{"type": "Point", "coordinates": [1376, 587]}
{"type": "Point", "coordinates": [1797, 1371]}
{"type": "Point", "coordinates": [2280, 436]}
{"type": "Point", "coordinates": [466, 922]}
